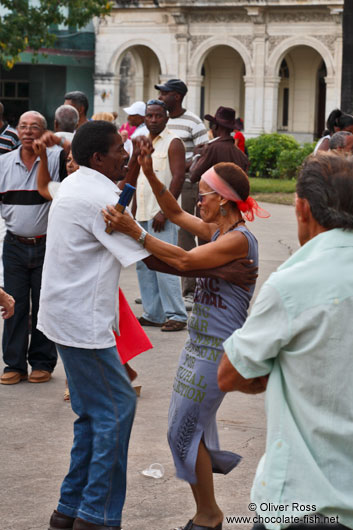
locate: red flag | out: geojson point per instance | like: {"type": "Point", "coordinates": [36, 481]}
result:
{"type": "Point", "coordinates": [132, 339]}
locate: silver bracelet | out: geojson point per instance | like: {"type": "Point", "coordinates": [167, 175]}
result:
{"type": "Point", "coordinates": [142, 237]}
{"type": "Point", "coordinates": [62, 142]}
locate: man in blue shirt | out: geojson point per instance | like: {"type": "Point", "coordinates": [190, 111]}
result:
{"type": "Point", "coordinates": [299, 339]}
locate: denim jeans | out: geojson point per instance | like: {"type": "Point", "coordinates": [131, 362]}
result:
{"type": "Point", "coordinates": [23, 266]}
{"type": "Point", "coordinates": [160, 292]}
{"type": "Point", "coordinates": [104, 401]}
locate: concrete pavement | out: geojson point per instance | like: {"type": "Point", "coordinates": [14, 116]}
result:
{"type": "Point", "coordinates": [36, 426]}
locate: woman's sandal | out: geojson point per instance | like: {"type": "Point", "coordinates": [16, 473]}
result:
{"type": "Point", "coordinates": [191, 526]}
{"type": "Point", "coordinates": [67, 394]}
{"type": "Point", "coordinates": [187, 527]}
{"type": "Point", "coordinates": [197, 527]}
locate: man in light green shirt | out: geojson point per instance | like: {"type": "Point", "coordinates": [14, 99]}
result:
{"type": "Point", "coordinates": [299, 340]}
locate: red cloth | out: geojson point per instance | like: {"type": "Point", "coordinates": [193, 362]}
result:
{"type": "Point", "coordinates": [241, 140]}
{"type": "Point", "coordinates": [132, 339]}
{"type": "Point", "coordinates": [129, 128]}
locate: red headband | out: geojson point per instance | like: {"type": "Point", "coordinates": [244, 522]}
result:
{"type": "Point", "coordinates": [249, 207]}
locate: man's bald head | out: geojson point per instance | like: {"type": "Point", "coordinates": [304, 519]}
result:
{"type": "Point", "coordinates": [37, 115]}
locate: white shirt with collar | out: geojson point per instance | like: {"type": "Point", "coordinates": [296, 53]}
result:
{"type": "Point", "coordinates": [147, 204]}
{"type": "Point", "coordinates": [79, 294]}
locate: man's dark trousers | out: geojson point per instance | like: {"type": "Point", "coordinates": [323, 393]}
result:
{"type": "Point", "coordinates": [23, 266]}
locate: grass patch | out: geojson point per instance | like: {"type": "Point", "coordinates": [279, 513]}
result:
{"type": "Point", "coordinates": [276, 198]}
{"type": "Point", "coordinates": [268, 185]}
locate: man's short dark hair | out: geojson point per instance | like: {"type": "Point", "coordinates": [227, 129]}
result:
{"type": "Point", "coordinates": [79, 98]}
{"type": "Point", "coordinates": [92, 137]}
{"type": "Point", "coordinates": [326, 181]}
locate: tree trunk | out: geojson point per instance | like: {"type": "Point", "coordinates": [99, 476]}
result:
{"type": "Point", "coordinates": [347, 59]}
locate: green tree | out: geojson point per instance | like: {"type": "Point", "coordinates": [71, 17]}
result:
{"type": "Point", "coordinates": [25, 24]}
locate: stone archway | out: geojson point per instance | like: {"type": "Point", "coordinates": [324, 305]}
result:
{"type": "Point", "coordinates": [222, 73]}
{"type": "Point", "coordinates": [139, 70]}
{"type": "Point", "coordinates": [298, 93]}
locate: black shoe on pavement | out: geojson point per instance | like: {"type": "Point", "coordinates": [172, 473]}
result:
{"type": "Point", "coordinates": [81, 524]}
{"type": "Point", "coordinates": [60, 521]}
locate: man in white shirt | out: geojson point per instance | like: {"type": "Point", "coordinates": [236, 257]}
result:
{"type": "Point", "coordinates": [78, 310]}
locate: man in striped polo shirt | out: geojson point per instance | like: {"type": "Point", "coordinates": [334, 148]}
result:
{"type": "Point", "coordinates": [25, 214]}
{"type": "Point", "coordinates": [8, 137]}
{"type": "Point", "coordinates": [191, 129]}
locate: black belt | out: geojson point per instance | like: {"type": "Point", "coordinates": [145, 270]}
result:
{"type": "Point", "coordinates": [35, 240]}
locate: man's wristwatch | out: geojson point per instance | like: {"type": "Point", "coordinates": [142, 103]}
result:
{"type": "Point", "coordinates": [142, 237]}
{"type": "Point", "coordinates": [62, 142]}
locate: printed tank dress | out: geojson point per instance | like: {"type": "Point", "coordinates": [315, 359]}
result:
{"type": "Point", "coordinates": [219, 309]}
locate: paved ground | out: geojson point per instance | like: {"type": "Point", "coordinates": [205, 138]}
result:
{"type": "Point", "coordinates": [36, 426]}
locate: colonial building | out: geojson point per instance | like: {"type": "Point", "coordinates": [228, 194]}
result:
{"type": "Point", "coordinates": [277, 62]}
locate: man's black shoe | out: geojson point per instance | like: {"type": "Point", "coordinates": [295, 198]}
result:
{"type": "Point", "coordinates": [60, 521]}
{"type": "Point", "coordinates": [81, 524]}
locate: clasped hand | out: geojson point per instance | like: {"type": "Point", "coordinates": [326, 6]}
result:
{"type": "Point", "coordinates": [121, 222]}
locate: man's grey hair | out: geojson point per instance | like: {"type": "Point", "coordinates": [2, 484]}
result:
{"type": "Point", "coordinates": [38, 114]}
{"type": "Point", "coordinates": [66, 118]}
{"type": "Point", "coordinates": [338, 140]}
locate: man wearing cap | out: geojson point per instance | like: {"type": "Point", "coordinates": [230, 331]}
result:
{"type": "Point", "coordinates": [136, 117]}
{"type": "Point", "coordinates": [221, 148]}
{"type": "Point", "coordinates": [190, 128]}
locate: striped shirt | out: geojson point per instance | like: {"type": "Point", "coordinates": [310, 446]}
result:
{"type": "Point", "coordinates": [24, 211]}
{"type": "Point", "coordinates": [8, 139]}
{"type": "Point", "coordinates": [189, 128]}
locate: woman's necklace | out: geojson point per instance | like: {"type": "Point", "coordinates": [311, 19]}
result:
{"type": "Point", "coordinates": [235, 225]}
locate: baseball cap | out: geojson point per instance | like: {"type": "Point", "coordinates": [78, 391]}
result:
{"type": "Point", "coordinates": [139, 107]}
{"type": "Point", "coordinates": [173, 85]}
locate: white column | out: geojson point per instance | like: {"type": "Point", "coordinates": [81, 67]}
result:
{"type": "Point", "coordinates": [193, 100]}
{"type": "Point", "coordinates": [182, 42]}
{"type": "Point", "coordinates": [271, 104]}
{"type": "Point", "coordinates": [106, 92]}
{"type": "Point", "coordinates": [254, 86]}
{"type": "Point", "coordinates": [333, 96]}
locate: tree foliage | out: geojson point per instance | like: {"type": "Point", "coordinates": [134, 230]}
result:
{"type": "Point", "coordinates": [25, 24]}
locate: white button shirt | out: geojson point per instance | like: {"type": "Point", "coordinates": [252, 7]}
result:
{"type": "Point", "coordinates": [79, 294]}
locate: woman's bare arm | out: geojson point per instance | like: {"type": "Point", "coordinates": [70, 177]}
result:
{"type": "Point", "coordinates": [229, 247]}
{"type": "Point", "coordinates": [168, 203]}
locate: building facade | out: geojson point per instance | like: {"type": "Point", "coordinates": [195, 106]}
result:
{"type": "Point", "coordinates": [277, 62]}
{"type": "Point", "coordinates": [41, 82]}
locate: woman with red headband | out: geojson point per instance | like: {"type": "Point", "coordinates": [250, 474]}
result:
{"type": "Point", "coordinates": [219, 308]}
